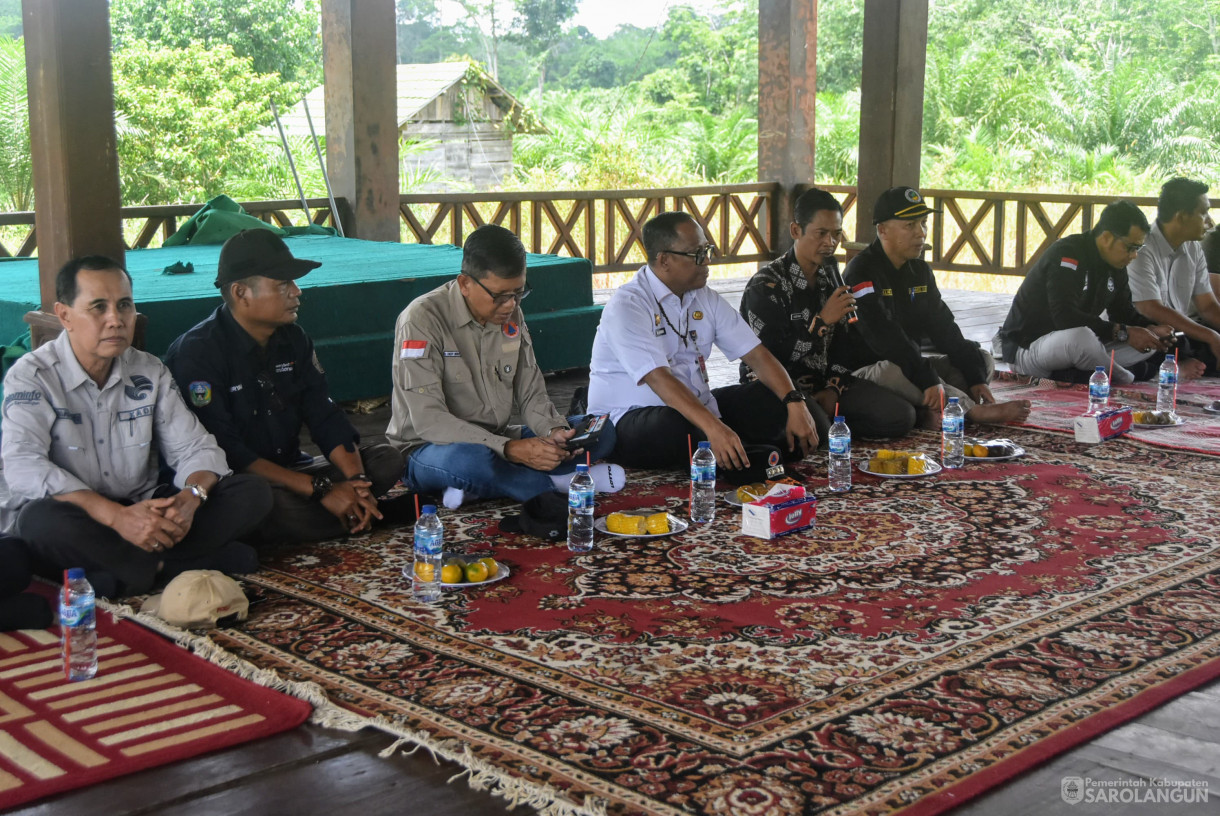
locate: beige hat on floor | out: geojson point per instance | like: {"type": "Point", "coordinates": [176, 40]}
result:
{"type": "Point", "coordinates": [197, 599]}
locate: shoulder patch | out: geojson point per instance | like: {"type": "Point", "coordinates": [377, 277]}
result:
{"type": "Point", "coordinates": [863, 288]}
{"type": "Point", "coordinates": [510, 329]}
{"type": "Point", "coordinates": [201, 393]}
{"type": "Point", "coordinates": [412, 349]}
{"type": "Point", "coordinates": [1069, 263]}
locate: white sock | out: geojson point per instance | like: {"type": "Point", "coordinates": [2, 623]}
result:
{"type": "Point", "coordinates": [453, 497]}
{"type": "Point", "coordinates": [606, 479]}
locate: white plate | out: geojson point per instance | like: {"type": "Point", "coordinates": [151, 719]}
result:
{"type": "Point", "coordinates": [1020, 451]}
{"type": "Point", "coordinates": [933, 469]}
{"type": "Point", "coordinates": [676, 525]}
{"type": "Point", "coordinates": [730, 497]}
{"type": "Point", "coordinates": [1152, 426]}
{"type": "Point", "coordinates": [503, 572]}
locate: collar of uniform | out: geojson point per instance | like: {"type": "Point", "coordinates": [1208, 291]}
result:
{"type": "Point", "coordinates": [791, 268]}
{"type": "Point", "coordinates": [659, 290]}
{"type": "Point", "coordinates": [1092, 255]}
{"type": "Point", "coordinates": [73, 374]}
{"type": "Point", "coordinates": [458, 305]}
{"type": "Point", "coordinates": [1160, 244]}
{"type": "Point", "coordinates": [229, 325]}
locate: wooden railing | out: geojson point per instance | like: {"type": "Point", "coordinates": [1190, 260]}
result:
{"type": "Point", "coordinates": [985, 232]}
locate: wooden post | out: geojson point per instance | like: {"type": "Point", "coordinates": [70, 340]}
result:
{"type": "Point", "coordinates": [361, 115]}
{"type": "Point", "coordinates": [72, 142]}
{"type": "Point", "coordinates": [891, 102]}
{"type": "Point", "coordinates": [787, 87]}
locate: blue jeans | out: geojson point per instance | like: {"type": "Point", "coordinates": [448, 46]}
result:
{"type": "Point", "coordinates": [484, 474]}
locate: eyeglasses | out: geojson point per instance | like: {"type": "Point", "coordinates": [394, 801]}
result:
{"type": "Point", "coordinates": [501, 298]}
{"type": "Point", "coordinates": [700, 255]}
{"type": "Point", "coordinates": [1130, 249]}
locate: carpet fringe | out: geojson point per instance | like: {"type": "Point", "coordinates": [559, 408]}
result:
{"type": "Point", "coordinates": [480, 774]}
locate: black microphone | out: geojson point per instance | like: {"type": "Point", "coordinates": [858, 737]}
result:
{"type": "Point", "coordinates": [836, 278]}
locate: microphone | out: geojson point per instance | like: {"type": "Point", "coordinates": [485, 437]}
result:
{"type": "Point", "coordinates": [836, 278]}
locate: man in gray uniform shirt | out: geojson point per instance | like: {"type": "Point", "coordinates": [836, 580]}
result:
{"type": "Point", "coordinates": [84, 419]}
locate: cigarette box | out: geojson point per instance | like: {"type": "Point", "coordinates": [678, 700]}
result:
{"type": "Point", "coordinates": [785, 509]}
{"type": "Point", "coordinates": [1099, 427]}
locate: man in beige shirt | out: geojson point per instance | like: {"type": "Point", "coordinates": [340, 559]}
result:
{"type": "Point", "coordinates": [463, 360]}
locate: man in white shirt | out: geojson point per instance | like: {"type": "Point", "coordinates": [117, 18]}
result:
{"type": "Point", "coordinates": [84, 420]}
{"type": "Point", "coordinates": [649, 371]}
{"type": "Point", "coordinates": [1169, 278]}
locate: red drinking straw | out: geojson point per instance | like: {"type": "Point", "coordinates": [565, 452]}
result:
{"type": "Point", "coordinates": [1111, 374]}
{"type": "Point", "coordinates": [417, 505]}
{"type": "Point", "coordinates": [588, 459]}
{"type": "Point", "coordinates": [836, 409]}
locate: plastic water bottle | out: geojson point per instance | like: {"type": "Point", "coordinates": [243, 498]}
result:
{"type": "Point", "coordinates": [429, 546]}
{"type": "Point", "coordinates": [953, 428]}
{"type": "Point", "coordinates": [1099, 391]}
{"type": "Point", "coordinates": [580, 510]}
{"type": "Point", "coordinates": [78, 626]}
{"type": "Point", "coordinates": [1167, 384]}
{"type": "Point", "coordinates": [840, 456]}
{"type": "Point", "coordinates": [703, 484]}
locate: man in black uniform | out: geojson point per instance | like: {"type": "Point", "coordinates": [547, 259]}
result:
{"type": "Point", "coordinates": [800, 310]}
{"type": "Point", "coordinates": [251, 374]}
{"type": "Point", "coordinates": [900, 305]}
{"type": "Point", "coordinates": [1054, 326]}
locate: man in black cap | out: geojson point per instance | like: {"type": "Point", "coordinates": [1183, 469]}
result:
{"type": "Point", "coordinates": [899, 306]}
{"type": "Point", "coordinates": [251, 374]}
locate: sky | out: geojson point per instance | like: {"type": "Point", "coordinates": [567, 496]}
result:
{"type": "Point", "coordinates": [601, 17]}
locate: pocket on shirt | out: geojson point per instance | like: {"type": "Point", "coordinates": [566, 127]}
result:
{"type": "Point", "coordinates": [133, 429]}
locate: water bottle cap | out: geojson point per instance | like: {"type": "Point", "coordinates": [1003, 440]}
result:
{"type": "Point", "coordinates": [76, 573]}
{"type": "Point", "coordinates": [428, 508]}
{"type": "Point", "coordinates": [953, 400]}
{"type": "Point", "coordinates": [582, 468]}
{"type": "Point", "coordinates": [1168, 357]}
{"type": "Point", "coordinates": [1101, 369]}
{"type": "Point", "coordinates": [705, 444]}
{"type": "Point", "coordinates": [839, 419]}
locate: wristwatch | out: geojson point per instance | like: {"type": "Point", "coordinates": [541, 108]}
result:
{"type": "Point", "coordinates": [1120, 333]}
{"type": "Point", "coordinates": [794, 395]}
{"type": "Point", "coordinates": [357, 477]}
{"type": "Point", "coordinates": [321, 486]}
{"type": "Point", "coordinates": [820, 326]}
{"type": "Point", "coordinates": [199, 492]}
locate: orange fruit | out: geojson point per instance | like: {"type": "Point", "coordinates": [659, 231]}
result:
{"type": "Point", "coordinates": [451, 573]}
{"type": "Point", "coordinates": [424, 572]}
{"type": "Point", "coordinates": [492, 566]}
{"type": "Point", "coordinates": [476, 572]}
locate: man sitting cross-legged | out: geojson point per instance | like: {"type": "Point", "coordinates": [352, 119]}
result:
{"type": "Point", "coordinates": [649, 364]}
{"type": "Point", "coordinates": [251, 375]}
{"type": "Point", "coordinates": [463, 366]}
{"type": "Point", "coordinates": [900, 305]}
{"type": "Point", "coordinates": [85, 417]}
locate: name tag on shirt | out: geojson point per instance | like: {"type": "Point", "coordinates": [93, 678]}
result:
{"type": "Point", "coordinates": [452, 353]}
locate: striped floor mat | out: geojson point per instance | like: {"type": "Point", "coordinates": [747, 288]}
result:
{"type": "Point", "coordinates": [150, 703]}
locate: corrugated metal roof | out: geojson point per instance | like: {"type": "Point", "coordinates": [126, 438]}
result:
{"type": "Point", "coordinates": [418, 85]}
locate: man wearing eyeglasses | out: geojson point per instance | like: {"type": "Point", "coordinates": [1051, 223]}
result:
{"type": "Point", "coordinates": [900, 306]}
{"type": "Point", "coordinates": [1054, 327]}
{"type": "Point", "coordinates": [463, 367]}
{"type": "Point", "coordinates": [649, 372]}
{"type": "Point", "coordinates": [251, 375]}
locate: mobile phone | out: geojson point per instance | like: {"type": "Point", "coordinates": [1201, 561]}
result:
{"type": "Point", "coordinates": [587, 431]}
{"type": "Point", "coordinates": [1177, 338]}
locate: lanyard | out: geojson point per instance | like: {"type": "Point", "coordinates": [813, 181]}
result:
{"type": "Point", "coordinates": [681, 336]}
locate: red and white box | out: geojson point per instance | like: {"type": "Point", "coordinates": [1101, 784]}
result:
{"type": "Point", "coordinates": [1094, 428]}
{"type": "Point", "coordinates": [785, 509]}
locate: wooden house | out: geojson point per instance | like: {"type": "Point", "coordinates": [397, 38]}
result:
{"type": "Point", "coordinates": [455, 125]}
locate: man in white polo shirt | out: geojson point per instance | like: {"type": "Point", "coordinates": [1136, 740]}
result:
{"type": "Point", "coordinates": [1169, 280]}
{"type": "Point", "coordinates": [649, 369]}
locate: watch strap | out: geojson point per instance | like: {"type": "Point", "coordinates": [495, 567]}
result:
{"type": "Point", "coordinates": [795, 395]}
{"type": "Point", "coordinates": [199, 492]}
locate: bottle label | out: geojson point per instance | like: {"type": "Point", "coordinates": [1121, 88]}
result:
{"type": "Point", "coordinates": [1099, 391]}
{"type": "Point", "coordinates": [953, 424]}
{"type": "Point", "coordinates": [703, 473]}
{"type": "Point", "coordinates": [427, 543]}
{"type": "Point", "coordinates": [580, 499]}
{"type": "Point", "coordinates": [73, 615]}
{"type": "Point", "coordinates": [840, 445]}
{"type": "Point", "coordinates": [1168, 377]}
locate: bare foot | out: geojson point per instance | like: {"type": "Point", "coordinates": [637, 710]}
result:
{"type": "Point", "coordinates": [998, 412]}
{"type": "Point", "coordinates": [929, 419]}
{"type": "Point", "coordinates": [1191, 369]}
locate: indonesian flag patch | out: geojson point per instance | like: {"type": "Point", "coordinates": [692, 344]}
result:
{"type": "Point", "coordinates": [412, 349]}
{"type": "Point", "coordinates": [862, 289]}
{"type": "Point", "coordinates": [1069, 263]}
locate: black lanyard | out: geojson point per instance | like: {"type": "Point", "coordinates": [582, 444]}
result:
{"type": "Point", "coordinates": [681, 336]}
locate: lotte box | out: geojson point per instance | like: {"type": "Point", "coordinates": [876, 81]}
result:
{"type": "Point", "coordinates": [780, 512]}
{"type": "Point", "coordinates": [1094, 428]}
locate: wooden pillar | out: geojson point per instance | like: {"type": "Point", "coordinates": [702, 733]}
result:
{"type": "Point", "coordinates": [787, 86]}
{"type": "Point", "coordinates": [359, 55]}
{"type": "Point", "coordinates": [76, 167]}
{"type": "Point", "coordinates": [891, 102]}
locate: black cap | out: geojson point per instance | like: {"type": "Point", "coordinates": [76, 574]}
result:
{"type": "Point", "coordinates": [766, 462]}
{"type": "Point", "coordinates": [544, 516]}
{"type": "Point", "coordinates": [903, 203]}
{"type": "Point", "coordinates": [259, 252]}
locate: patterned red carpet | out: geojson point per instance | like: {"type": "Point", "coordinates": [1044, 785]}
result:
{"type": "Point", "coordinates": [1056, 405]}
{"type": "Point", "coordinates": [151, 703]}
{"type": "Point", "coordinates": [929, 639]}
